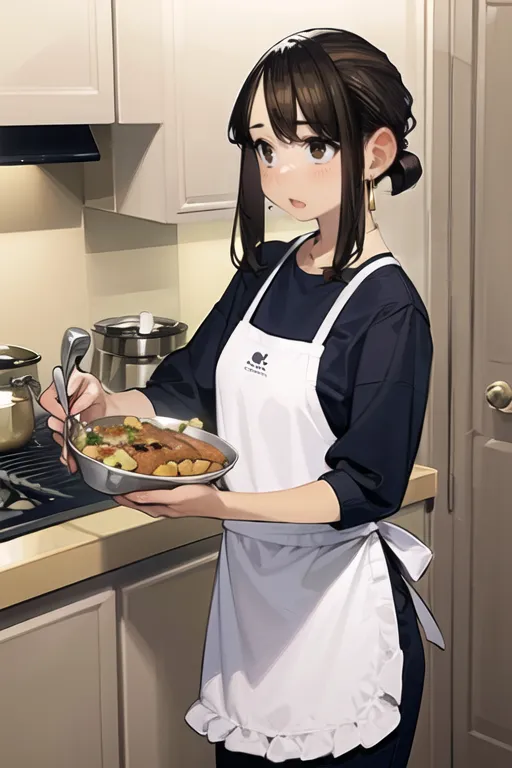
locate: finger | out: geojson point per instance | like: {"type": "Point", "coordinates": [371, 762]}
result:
{"type": "Point", "coordinates": [83, 402]}
{"type": "Point", "coordinates": [56, 425]}
{"type": "Point", "coordinates": [48, 395]}
{"type": "Point", "coordinates": [70, 463]}
{"type": "Point", "coordinates": [51, 405]}
{"type": "Point", "coordinates": [152, 497]}
{"type": "Point", "coordinates": [78, 381]}
{"type": "Point", "coordinates": [73, 467]}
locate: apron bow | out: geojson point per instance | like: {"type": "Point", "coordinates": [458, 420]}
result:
{"type": "Point", "coordinates": [413, 557]}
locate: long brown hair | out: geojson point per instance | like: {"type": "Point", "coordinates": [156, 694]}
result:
{"type": "Point", "coordinates": [346, 89]}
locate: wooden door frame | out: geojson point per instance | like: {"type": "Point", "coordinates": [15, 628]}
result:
{"type": "Point", "coordinates": [468, 21]}
{"type": "Point", "coordinates": [450, 294]}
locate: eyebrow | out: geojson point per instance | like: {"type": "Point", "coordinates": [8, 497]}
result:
{"type": "Point", "coordinates": [260, 125]}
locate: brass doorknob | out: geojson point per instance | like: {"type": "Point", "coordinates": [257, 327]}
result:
{"type": "Point", "coordinates": [499, 395]}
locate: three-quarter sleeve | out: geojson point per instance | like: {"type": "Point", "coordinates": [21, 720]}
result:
{"type": "Point", "coordinates": [183, 385]}
{"type": "Point", "coordinates": [372, 460]}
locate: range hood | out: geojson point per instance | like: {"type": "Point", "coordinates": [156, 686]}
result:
{"type": "Point", "coordinates": [41, 144]}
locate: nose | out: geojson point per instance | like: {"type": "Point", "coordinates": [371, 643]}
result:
{"type": "Point", "coordinates": [286, 168]}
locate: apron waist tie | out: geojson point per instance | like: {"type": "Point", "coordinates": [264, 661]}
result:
{"type": "Point", "coordinates": [413, 557]}
{"type": "Point", "coordinates": [412, 554]}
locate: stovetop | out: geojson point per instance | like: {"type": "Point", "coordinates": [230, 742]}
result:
{"type": "Point", "coordinates": [37, 491]}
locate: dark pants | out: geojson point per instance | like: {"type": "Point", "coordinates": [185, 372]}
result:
{"type": "Point", "coordinates": [393, 751]}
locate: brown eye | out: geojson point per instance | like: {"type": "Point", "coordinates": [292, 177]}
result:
{"type": "Point", "coordinates": [319, 151]}
{"type": "Point", "coordinates": [266, 153]}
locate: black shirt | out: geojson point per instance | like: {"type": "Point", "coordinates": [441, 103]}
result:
{"type": "Point", "coordinates": [373, 377]}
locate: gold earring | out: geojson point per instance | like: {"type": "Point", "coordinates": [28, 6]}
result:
{"type": "Point", "coordinates": [371, 195]}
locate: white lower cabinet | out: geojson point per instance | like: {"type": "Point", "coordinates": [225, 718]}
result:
{"type": "Point", "coordinates": [58, 689]}
{"type": "Point", "coordinates": [101, 674]}
{"type": "Point", "coordinates": [163, 626]}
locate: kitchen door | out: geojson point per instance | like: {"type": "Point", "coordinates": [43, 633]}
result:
{"type": "Point", "coordinates": [481, 291]}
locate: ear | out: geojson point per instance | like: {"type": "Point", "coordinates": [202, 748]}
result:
{"type": "Point", "coordinates": [379, 153]}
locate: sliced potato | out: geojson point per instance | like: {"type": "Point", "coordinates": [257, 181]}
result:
{"type": "Point", "coordinates": [121, 460]}
{"type": "Point", "coordinates": [185, 467]}
{"type": "Point", "coordinates": [174, 467]}
{"type": "Point", "coordinates": [132, 421]}
{"type": "Point", "coordinates": [214, 467]}
{"type": "Point", "coordinates": [200, 467]}
{"type": "Point", "coordinates": [191, 423]}
{"type": "Point", "coordinates": [91, 451]}
{"type": "Point", "coordinates": [165, 470]}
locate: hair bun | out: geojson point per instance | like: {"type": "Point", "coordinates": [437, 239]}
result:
{"type": "Point", "coordinates": [405, 172]}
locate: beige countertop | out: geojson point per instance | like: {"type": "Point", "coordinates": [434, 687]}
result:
{"type": "Point", "coordinates": [41, 562]}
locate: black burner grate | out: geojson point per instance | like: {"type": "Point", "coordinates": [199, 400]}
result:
{"type": "Point", "coordinates": [34, 477]}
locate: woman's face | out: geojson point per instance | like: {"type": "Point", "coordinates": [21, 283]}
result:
{"type": "Point", "coordinates": [303, 179]}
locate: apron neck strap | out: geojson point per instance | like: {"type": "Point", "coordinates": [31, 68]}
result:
{"type": "Point", "coordinates": [346, 293]}
{"type": "Point", "coordinates": [292, 249]}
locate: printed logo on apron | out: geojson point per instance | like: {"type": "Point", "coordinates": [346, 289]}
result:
{"type": "Point", "coordinates": [302, 656]}
{"type": "Point", "coordinates": [257, 364]}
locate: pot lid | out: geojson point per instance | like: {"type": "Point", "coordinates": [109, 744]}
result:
{"type": "Point", "coordinates": [16, 357]}
{"type": "Point", "coordinates": [129, 326]}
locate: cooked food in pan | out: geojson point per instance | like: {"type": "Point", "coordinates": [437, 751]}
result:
{"type": "Point", "coordinates": [146, 449]}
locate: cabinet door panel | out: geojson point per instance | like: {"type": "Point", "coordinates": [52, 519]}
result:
{"type": "Point", "coordinates": [58, 702]}
{"type": "Point", "coordinates": [162, 637]}
{"type": "Point", "coordinates": [56, 62]}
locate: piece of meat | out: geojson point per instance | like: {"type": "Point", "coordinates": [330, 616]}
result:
{"type": "Point", "coordinates": [182, 443]}
{"type": "Point", "coordinates": [148, 461]}
{"type": "Point", "coordinates": [205, 450]}
{"type": "Point", "coordinates": [170, 439]}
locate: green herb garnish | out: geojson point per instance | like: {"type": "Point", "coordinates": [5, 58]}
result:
{"type": "Point", "coordinates": [131, 434]}
{"type": "Point", "coordinates": [182, 427]}
{"type": "Point", "coordinates": [94, 439]}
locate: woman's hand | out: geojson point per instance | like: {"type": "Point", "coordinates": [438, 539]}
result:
{"type": "Point", "coordinates": [185, 501]}
{"type": "Point", "coordinates": [87, 397]}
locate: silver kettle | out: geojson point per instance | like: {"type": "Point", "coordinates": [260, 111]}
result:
{"type": "Point", "coordinates": [128, 349]}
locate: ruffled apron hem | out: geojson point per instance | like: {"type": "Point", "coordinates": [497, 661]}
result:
{"type": "Point", "coordinates": [383, 719]}
{"type": "Point", "coordinates": [381, 716]}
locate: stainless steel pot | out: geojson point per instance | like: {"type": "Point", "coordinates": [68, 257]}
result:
{"type": "Point", "coordinates": [19, 388]}
{"type": "Point", "coordinates": [126, 354]}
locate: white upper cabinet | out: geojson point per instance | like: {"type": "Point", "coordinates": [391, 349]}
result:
{"type": "Point", "coordinates": [180, 65]}
{"type": "Point", "coordinates": [56, 62]}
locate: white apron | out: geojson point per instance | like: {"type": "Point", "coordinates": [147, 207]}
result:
{"type": "Point", "coordinates": [302, 655]}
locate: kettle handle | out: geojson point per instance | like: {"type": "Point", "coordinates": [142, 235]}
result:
{"type": "Point", "coordinates": [32, 385]}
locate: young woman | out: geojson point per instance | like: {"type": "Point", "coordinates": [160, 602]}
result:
{"type": "Point", "coordinates": [315, 364]}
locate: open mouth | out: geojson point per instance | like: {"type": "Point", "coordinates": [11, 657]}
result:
{"type": "Point", "coordinates": [297, 203]}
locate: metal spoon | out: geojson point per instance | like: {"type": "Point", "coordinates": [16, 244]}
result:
{"type": "Point", "coordinates": [62, 395]}
{"type": "Point", "coordinates": [75, 344]}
